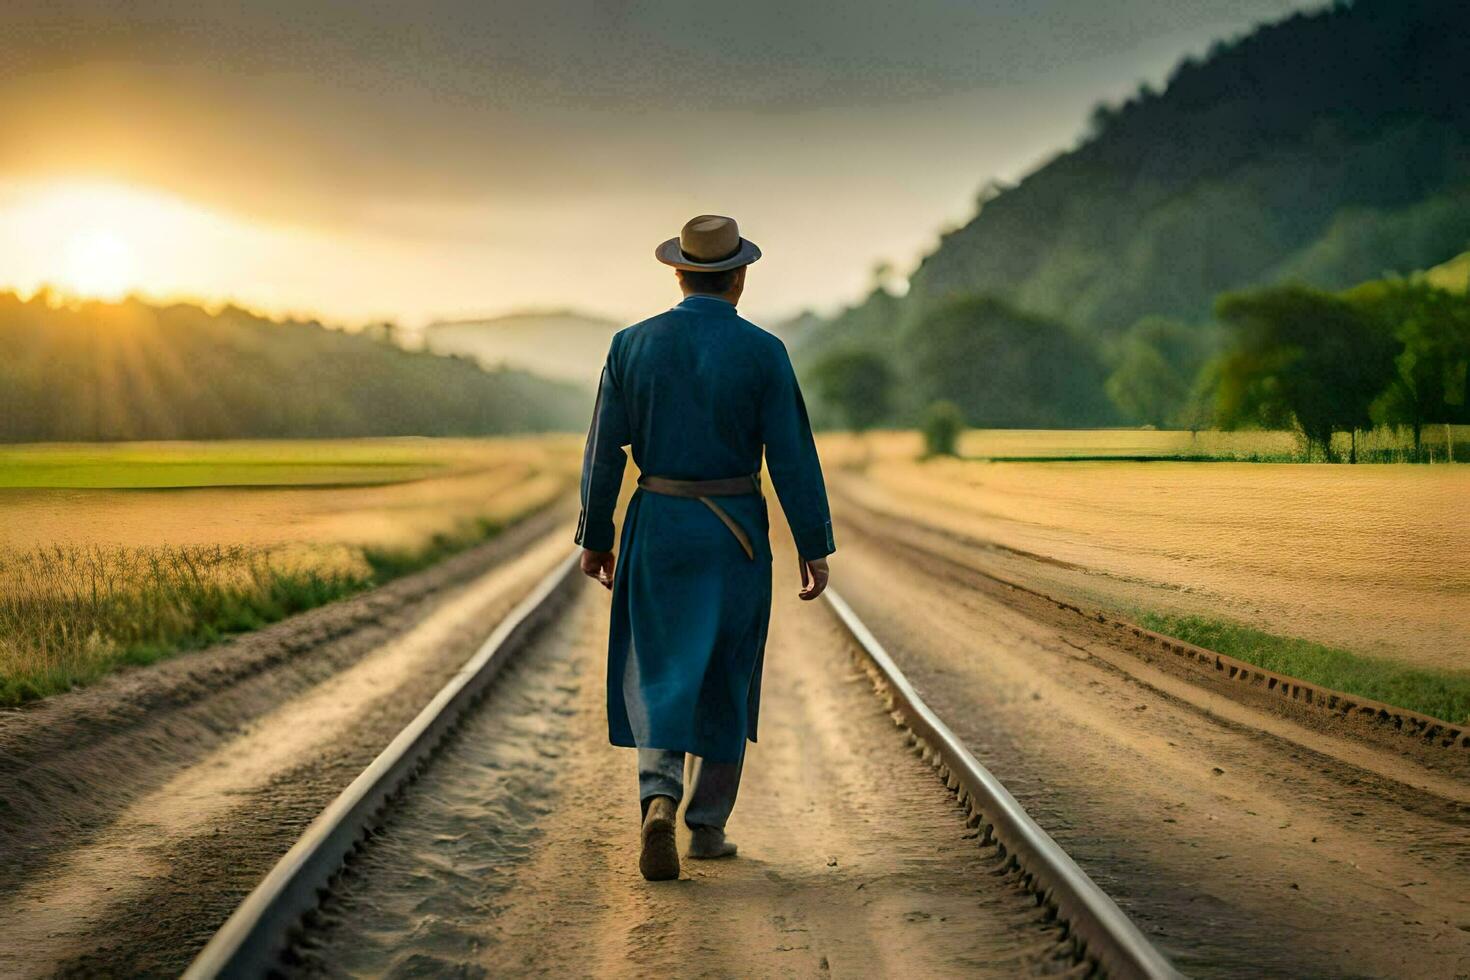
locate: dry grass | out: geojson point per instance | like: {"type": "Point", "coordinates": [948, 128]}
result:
{"type": "Point", "coordinates": [69, 615]}
{"type": "Point", "coordinates": [122, 555]}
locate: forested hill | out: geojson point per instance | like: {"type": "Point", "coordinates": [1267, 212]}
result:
{"type": "Point", "coordinates": [129, 370]}
{"type": "Point", "coordinates": [1329, 148]}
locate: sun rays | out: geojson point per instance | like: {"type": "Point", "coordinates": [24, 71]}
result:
{"type": "Point", "coordinates": [99, 239]}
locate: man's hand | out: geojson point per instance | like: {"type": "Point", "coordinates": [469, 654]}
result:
{"type": "Point", "coordinates": [813, 577]}
{"type": "Point", "coordinates": [599, 565]}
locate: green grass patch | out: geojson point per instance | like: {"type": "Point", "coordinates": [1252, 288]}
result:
{"type": "Point", "coordinates": [1444, 694]}
{"type": "Point", "coordinates": [128, 466]}
{"type": "Point", "coordinates": [389, 563]}
{"type": "Point", "coordinates": [69, 616]}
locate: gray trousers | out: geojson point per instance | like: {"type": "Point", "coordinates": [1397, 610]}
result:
{"type": "Point", "coordinates": [714, 785]}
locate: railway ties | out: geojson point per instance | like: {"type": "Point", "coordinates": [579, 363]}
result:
{"type": "Point", "coordinates": [497, 835]}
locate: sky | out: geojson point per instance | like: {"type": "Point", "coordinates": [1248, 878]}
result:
{"type": "Point", "coordinates": [364, 159]}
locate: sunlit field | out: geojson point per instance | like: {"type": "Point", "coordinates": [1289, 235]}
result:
{"type": "Point", "coordinates": [123, 554]}
{"type": "Point", "coordinates": [1366, 560]}
{"type": "Point", "coordinates": [264, 463]}
{"type": "Point", "coordinates": [1442, 443]}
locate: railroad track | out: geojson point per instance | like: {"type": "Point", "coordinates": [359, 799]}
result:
{"type": "Point", "coordinates": [256, 937]}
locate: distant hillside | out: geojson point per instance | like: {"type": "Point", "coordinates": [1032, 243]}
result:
{"type": "Point", "coordinates": [106, 371]}
{"type": "Point", "coordinates": [1329, 148]}
{"type": "Point", "coordinates": [559, 344]}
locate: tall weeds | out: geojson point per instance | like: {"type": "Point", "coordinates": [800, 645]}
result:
{"type": "Point", "coordinates": [68, 615]}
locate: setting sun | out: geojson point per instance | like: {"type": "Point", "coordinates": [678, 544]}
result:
{"type": "Point", "coordinates": [98, 239]}
{"type": "Point", "coordinates": [100, 263]}
{"type": "Point", "coordinates": [95, 238]}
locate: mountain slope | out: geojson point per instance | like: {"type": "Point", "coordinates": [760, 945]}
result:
{"type": "Point", "coordinates": [1329, 148]}
{"type": "Point", "coordinates": [105, 371]}
{"type": "Point", "coordinates": [561, 344]}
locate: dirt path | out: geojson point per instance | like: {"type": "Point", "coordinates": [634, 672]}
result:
{"type": "Point", "coordinates": [147, 806]}
{"type": "Point", "coordinates": [516, 854]}
{"type": "Point", "coordinates": [1246, 843]}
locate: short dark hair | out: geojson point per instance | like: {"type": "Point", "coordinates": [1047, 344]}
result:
{"type": "Point", "coordinates": [714, 283]}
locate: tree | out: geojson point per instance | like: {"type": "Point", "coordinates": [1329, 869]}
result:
{"type": "Point", "coordinates": [1432, 327]}
{"type": "Point", "coordinates": [1156, 364]}
{"type": "Point", "coordinates": [1198, 411]}
{"type": "Point", "coordinates": [858, 383]}
{"type": "Point", "coordinates": [1299, 355]}
{"type": "Point", "coordinates": [884, 277]}
{"type": "Point", "coordinates": [384, 332]}
{"type": "Point", "coordinates": [943, 424]}
{"type": "Point", "coordinates": [1006, 368]}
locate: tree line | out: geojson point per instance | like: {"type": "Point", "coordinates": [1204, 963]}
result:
{"type": "Point", "coordinates": [131, 370]}
{"type": "Point", "coordinates": [1386, 353]}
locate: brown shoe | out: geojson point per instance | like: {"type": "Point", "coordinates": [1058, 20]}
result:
{"type": "Point", "coordinates": [710, 843]}
{"type": "Point", "coordinates": [660, 858]}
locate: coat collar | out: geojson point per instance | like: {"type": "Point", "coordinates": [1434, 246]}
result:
{"type": "Point", "coordinates": [700, 303]}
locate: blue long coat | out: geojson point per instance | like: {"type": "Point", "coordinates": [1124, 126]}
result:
{"type": "Point", "coordinates": [698, 392]}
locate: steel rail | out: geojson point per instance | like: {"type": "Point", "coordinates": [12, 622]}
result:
{"type": "Point", "coordinates": [253, 938]}
{"type": "Point", "coordinates": [1106, 933]}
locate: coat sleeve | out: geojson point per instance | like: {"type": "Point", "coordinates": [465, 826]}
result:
{"type": "Point", "coordinates": [603, 461]}
{"type": "Point", "coordinates": [791, 458]}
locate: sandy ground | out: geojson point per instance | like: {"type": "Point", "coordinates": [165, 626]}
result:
{"type": "Point", "coordinates": [1247, 843]}
{"type": "Point", "coordinates": [1367, 558]}
{"type": "Point", "coordinates": [516, 853]}
{"type": "Point", "coordinates": [140, 811]}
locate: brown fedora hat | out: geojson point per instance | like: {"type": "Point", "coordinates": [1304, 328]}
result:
{"type": "Point", "coordinates": [708, 243]}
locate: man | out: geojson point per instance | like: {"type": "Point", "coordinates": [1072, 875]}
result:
{"type": "Point", "coordinates": [698, 392]}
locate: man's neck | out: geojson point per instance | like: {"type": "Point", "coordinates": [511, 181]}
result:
{"type": "Point", "coordinates": [723, 297]}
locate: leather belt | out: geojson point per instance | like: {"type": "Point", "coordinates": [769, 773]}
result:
{"type": "Point", "coordinates": [703, 490]}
